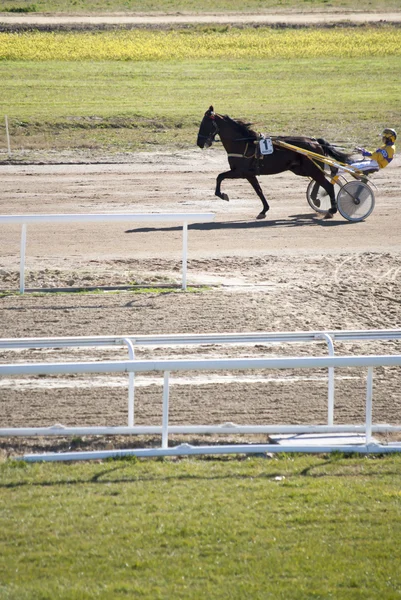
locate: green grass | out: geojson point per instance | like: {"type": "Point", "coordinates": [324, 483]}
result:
{"type": "Point", "coordinates": [197, 6]}
{"type": "Point", "coordinates": [134, 290]}
{"type": "Point", "coordinates": [124, 106]}
{"type": "Point", "coordinates": [286, 528]}
{"type": "Point", "coordinates": [21, 8]}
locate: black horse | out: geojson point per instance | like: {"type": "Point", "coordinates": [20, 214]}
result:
{"type": "Point", "coordinates": [246, 162]}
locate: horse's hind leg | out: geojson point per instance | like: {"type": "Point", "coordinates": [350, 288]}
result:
{"type": "Point", "coordinates": [333, 171]}
{"type": "Point", "coordinates": [255, 184]}
{"type": "Point", "coordinates": [329, 187]}
{"type": "Point", "coordinates": [311, 170]}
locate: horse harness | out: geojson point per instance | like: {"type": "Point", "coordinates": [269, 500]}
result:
{"type": "Point", "coordinates": [257, 155]}
{"type": "Point", "coordinates": [254, 148]}
{"type": "Point", "coordinates": [252, 152]}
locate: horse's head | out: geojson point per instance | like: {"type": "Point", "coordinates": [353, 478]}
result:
{"type": "Point", "coordinates": [208, 129]}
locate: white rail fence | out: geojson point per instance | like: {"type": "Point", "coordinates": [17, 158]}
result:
{"type": "Point", "coordinates": [165, 367]}
{"type": "Point", "coordinates": [183, 218]}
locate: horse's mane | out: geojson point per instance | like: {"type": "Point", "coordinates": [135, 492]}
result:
{"type": "Point", "coordinates": [244, 129]}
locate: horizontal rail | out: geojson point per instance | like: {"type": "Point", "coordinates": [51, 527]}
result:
{"type": "Point", "coordinates": [233, 429]}
{"type": "Point", "coordinates": [207, 364]}
{"type": "Point", "coordinates": [106, 217]}
{"type": "Point", "coordinates": [207, 338]}
{"type": "Point", "coordinates": [188, 450]}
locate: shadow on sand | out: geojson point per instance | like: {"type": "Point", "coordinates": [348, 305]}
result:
{"type": "Point", "coordinates": [300, 220]}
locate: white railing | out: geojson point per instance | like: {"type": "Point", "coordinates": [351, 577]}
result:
{"type": "Point", "coordinates": [132, 341]}
{"type": "Point", "coordinates": [167, 366]}
{"type": "Point", "coordinates": [187, 339]}
{"type": "Point", "coordinates": [183, 218]}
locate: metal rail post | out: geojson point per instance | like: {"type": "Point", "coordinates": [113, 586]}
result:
{"type": "Point", "coordinates": [369, 396]}
{"type": "Point", "coordinates": [131, 384]}
{"type": "Point", "coordinates": [22, 260]}
{"type": "Point", "coordinates": [184, 254]}
{"type": "Point", "coordinates": [166, 393]}
{"type": "Point", "coordinates": [330, 403]}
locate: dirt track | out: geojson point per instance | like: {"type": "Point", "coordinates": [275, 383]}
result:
{"type": "Point", "coordinates": [178, 19]}
{"type": "Point", "coordinates": [293, 271]}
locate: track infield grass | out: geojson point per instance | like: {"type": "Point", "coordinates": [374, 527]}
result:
{"type": "Point", "coordinates": [130, 105]}
{"type": "Point", "coordinates": [290, 527]}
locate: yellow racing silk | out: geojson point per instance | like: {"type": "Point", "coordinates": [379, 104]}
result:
{"type": "Point", "coordinates": [383, 155]}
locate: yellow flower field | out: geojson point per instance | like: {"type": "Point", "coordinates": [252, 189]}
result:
{"type": "Point", "coordinates": [232, 43]}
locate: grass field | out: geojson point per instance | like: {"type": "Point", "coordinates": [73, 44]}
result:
{"type": "Point", "coordinates": [173, 6]}
{"type": "Point", "coordinates": [62, 105]}
{"type": "Point", "coordinates": [125, 105]}
{"type": "Point", "coordinates": [290, 528]}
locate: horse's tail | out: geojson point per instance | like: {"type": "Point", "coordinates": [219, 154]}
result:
{"type": "Point", "coordinates": [330, 150]}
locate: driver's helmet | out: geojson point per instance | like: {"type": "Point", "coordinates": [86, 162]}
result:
{"type": "Point", "coordinates": [389, 134]}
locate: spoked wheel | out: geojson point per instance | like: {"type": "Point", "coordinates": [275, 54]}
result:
{"type": "Point", "coordinates": [317, 197]}
{"type": "Point", "coordinates": [355, 201]}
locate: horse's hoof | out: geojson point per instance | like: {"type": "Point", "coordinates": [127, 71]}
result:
{"type": "Point", "coordinates": [328, 215]}
{"type": "Point", "coordinates": [225, 197]}
{"type": "Point", "coordinates": [261, 216]}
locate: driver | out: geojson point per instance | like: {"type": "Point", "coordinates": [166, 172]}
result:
{"type": "Point", "coordinates": [381, 157]}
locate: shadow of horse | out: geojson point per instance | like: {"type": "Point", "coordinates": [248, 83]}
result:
{"type": "Point", "coordinates": [300, 220]}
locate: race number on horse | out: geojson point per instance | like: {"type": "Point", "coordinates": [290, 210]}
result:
{"type": "Point", "coordinates": [266, 146]}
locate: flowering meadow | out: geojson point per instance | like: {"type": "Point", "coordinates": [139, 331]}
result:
{"type": "Point", "coordinates": [226, 43]}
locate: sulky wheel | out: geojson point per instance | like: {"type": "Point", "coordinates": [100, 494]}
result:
{"type": "Point", "coordinates": [317, 197]}
{"type": "Point", "coordinates": [355, 201]}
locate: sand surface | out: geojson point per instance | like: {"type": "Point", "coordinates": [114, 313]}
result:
{"type": "Point", "coordinates": [262, 18]}
{"type": "Point", "coordinates": [291, 272]}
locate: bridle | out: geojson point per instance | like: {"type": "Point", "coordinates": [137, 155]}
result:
{"type": "Point", "coordinates": [210, 138]}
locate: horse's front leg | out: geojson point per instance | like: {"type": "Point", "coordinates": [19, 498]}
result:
{"type": "Point", "coordinates": [255, 184]}
{"type": "Point", "coordinates": [226, 175]}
